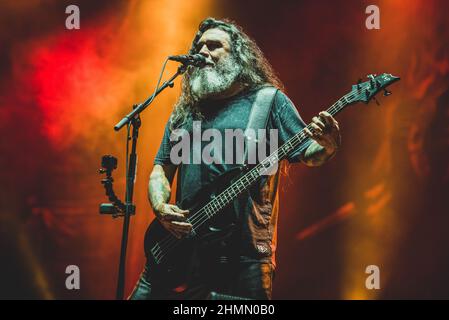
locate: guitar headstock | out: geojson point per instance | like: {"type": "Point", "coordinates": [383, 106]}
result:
{"type": "Point", "coordinates": [365, 91]}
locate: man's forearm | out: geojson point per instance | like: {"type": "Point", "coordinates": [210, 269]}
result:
{"type": "Point", "coordinates": [316, 155]}
{"type": "Point", "coordinates": [158, 189]}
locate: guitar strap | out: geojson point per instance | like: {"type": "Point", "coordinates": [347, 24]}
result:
{"type": "Point", "coordinates": [258, 119]}
{"type": "Point", "coordinates": [259, 115]}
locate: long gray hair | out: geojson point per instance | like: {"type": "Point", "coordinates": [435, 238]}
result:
{"type": "Point", "coordinates": [256, 70]}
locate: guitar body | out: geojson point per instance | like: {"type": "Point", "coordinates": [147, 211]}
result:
{"type": "Point", "coordinates": [176, 268]}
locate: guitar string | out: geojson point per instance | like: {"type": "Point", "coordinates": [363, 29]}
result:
{"type": "Point", "coordinates": [293, 143]}
{"type": "Point", "coordinates": [333, 108]}
{"type": "Point", "coordinates": [199, 218]}
{"type": "Point", "coordinates": [299, 137]}
{"type": "Point", "coordinates": [170, 241]}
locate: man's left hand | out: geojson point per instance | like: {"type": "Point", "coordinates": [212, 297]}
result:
{"type": "Point", "coordinates": [325, 131]}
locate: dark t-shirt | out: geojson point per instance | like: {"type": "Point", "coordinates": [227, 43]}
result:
{"type": "Point", "coordinates": [257, 209]}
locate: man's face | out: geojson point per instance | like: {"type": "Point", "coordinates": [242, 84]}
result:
{"type": "Point", "coordinates": [215, 45]}
{"type": "Point", "coordinates": [222, 70]}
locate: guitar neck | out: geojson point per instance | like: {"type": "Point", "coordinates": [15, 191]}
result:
{"type": "Point", "coordinates": [262, 168]}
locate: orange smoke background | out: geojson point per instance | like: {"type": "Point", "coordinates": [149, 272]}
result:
{"type": "Point", "coordinates": [383, 200]}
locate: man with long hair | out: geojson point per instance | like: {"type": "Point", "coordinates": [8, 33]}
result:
{"type": "Point", "coordinates": [221, 95]}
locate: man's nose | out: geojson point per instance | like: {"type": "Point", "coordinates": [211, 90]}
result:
{"type": "Point", "coordinates": [204, 52]}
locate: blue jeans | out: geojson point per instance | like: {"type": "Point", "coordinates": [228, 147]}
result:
{"type": "Point", "coordinates": [248, 278]}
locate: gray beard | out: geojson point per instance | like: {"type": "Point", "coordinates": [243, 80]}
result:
{"type": "Point", "coordinates": [207, 82]}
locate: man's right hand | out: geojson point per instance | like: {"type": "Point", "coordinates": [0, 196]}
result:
{"type": "Point", "coordinates": [173, 219]}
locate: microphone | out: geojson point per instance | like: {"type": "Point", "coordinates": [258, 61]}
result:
{"type": "Point", "coordinates": [197, 60]}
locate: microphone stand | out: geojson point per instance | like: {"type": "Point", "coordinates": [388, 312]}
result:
{"type": "Point", "coordinates": [134, 119]}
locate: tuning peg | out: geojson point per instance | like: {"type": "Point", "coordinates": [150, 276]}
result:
{"type": "Point", "coordinates": [371, 80]}
{"type": "Point", "coordinates": [386, 92]}
{"type": "Point", "coordinates": [367, 93]}
{"type": "Point", "coordinates": [358, 85]}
